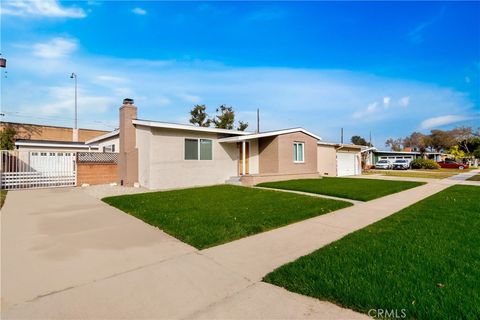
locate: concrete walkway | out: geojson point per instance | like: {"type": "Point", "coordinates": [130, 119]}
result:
{"type": "Point", "coordinates": [67, 255]}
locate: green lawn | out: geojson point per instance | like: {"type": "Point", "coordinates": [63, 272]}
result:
{"type": "Point", "coordinates": [425, 259]}
{"type": "Point", "coordinates": [434, 174]}
{"type": "Point", "coordinates": [350, 188]}
{"type": "Point", "coordinates": [3, 196]}
{"type": "Point", "coordinates": [209, 216]}
{"type": "Point", "coordinates": [475, 178]}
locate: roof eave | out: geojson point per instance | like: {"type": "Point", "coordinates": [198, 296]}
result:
{"type": "Point", "coordinates": [175, 126]}
{"type": "Point", "coordinates": [267, 134]}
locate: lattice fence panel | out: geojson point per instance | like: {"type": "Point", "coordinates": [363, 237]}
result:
{"type": "Point", "coordinates": [97, 157]}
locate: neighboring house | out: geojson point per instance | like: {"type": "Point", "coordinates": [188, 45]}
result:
{"type": "Point", "coordinates": [108, 142]}
{"type": "Point", "coordinates": [373, 155]}
{"type": "Point", "coordinates": [27, 131]}
{"type": "Point", "coordinates": [336, 159]}
{"type": "Point", "coordinates": [161, 155]}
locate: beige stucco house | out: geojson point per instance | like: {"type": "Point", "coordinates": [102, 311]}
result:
{"type": "Point", "coordinates": [337, 160]}
{"type": "Point", "coordinates": [162, 155]}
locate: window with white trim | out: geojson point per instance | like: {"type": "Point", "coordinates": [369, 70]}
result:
{"type": "Point", "coordinates": [110, 148]}
{"type": "Point", "coordinates": [298, 152]}
{"type": "Point", "coordinates": [198, 149]}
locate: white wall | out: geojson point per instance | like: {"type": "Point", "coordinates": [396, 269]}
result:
{"type": "Point", "coordinates": [326, 160]}
{"type": "Point", "coordinates": [108, 142]}
{"type": "Point", "coordinates": [162, 164]}
{"type": "Point", "coordinates": [253, 162]}
{"type": "Point", "coordinates": [143, 139]}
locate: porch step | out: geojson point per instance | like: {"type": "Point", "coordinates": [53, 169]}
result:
{"type": "Point", "coordinates": [234, 180]}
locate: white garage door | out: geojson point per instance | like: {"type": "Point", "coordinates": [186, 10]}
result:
{"type": "Point", "coordinates": [346, 164]}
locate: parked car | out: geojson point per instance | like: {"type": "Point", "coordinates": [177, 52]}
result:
{"type": "Point", "coordinates": [401, 164]}
{"type": "Point", "coordinates": [452, 164]}
{"type": "Point", "coordinates": [383, 164]}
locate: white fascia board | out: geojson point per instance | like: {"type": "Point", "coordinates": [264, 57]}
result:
{"type": "Point", "coordinates": [167, 125]}
{"type": "Point", "coordinates": [54, 145]}
{"type": "Point", "coordinates": [398, 152]}
{"type": "Point", "coordinates": [267, 134]}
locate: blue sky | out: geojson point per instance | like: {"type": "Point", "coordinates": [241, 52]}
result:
{"type": "Point", "coordinates": [385, 67]}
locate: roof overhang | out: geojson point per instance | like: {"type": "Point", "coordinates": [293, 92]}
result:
{"type": "Point", "coordinates": [105, 136]}
{"type": "Point", "coordinates": [53, 145]}
{"type": "Point", "coordinates": [340, 145]}
{"type": "Point", "coordinates": [397, 152]}
{"type": "Point", "coordinates": [253, 136]}
{"type": "Point", "coordinates": [167, 125]}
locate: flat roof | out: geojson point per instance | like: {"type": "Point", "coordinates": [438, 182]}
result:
{"type": "Point", "coordinates": [103, 136]}
{"type": "Point", "coordinates": [178, 126]}
{"type": "Point", "coordinates": [53, 144]}
{"type": "Point", "coordinates": [346, 145]}
{"type": "Point", "coordinates": [267, 134]}
{"type": "Point", "coordinates": [46, 125]}
{"type": "Point", "coordinates": [405, 152]}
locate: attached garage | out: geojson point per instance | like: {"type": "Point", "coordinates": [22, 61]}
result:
{"type": "Point", "coordinates": [338, 160]}
{"type": "Point", "coordinates": [347, 164]}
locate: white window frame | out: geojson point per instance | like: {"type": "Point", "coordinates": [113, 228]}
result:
{"type": "Point", "coordinates": [303, 152]}
{"type": "Point", "coordinates": [198, 149]}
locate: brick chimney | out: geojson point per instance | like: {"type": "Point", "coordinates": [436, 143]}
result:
{"type": "Point", "coordinates": [128, 153]}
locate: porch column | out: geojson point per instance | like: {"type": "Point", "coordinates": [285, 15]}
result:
{"type": "Point", "coordinates": [244, 166]}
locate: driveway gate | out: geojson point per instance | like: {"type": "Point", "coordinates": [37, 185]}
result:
{"type": "Point", "coordinates": [37, 169]}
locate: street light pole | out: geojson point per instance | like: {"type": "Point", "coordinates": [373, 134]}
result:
{"type": "Point", "coordinates": [75, 129]}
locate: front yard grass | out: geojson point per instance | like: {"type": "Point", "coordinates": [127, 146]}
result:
{"type": "Point", "coordinates": [424, 259]}
{"type": "Point", "coordinates": [475, 178]}
{"type": "Point", "coordinates": [209, 216]}
{"type": "Point", "coordinates": [415, 173]}
{"type": "Point", "coordinates": [350, 188]}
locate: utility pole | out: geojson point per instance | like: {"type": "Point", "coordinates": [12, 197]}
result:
{"type": "Point", "coordinates": [341, 136]}
{"type": "Point", "coordinates": [258, 120]}
{"type": "Point", "coordinates": [75, 128]}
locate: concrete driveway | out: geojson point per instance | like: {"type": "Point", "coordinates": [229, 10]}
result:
{"type": "Point", "coordinates": [65, 254]}
{"type": "Point", "coordinates": [55, 239]}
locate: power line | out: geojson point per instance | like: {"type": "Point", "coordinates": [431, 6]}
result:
{"type": "Point", "coordinates": [26, 115]}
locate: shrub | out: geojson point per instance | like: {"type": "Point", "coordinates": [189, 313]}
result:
{"type": "Point", "coordinates": [420, 163]}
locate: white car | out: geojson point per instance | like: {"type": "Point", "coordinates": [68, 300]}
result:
{"type": "Point", "coordinates": [383, 164]}
{"type": "Point", "coordinates": [401, 165]}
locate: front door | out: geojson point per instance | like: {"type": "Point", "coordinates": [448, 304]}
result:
{"type": "Point", "coordinates": [240, 161]}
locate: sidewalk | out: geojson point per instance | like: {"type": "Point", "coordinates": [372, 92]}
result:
{"type": "Point", "coordinates": [224, 281]}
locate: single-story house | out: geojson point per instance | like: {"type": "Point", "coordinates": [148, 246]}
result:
{"type": "Point", "coordinates": [373, 155]}
{"type": "Point", "coordinates": [162, 155]}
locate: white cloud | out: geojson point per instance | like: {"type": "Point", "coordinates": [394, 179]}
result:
{"type": "Point", "coordinates": [41, 8]}
{"type": "Point", "coordinates": [417, 34]}
{"type": "Point", "coordinates": [55, 48]}
{"type": "Point", "coordinates": [386, 102]}
{"type": "Point", "coordinates": [190, 98]}
{"type": "Point", "coordinates": [61, 101]}
{"type": "Point", "coordinates": [323, 100]}
{"type": "Point", "coordinates": [111, 79]}
{"type": "Point", "coordinates": [436, 122]}
{"type": "Point", "coordinates": [139, 11]}
{"type": "Point", "coordinates": [371, 108]}
{"type": "Point", "coordinates": [404, 102]}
